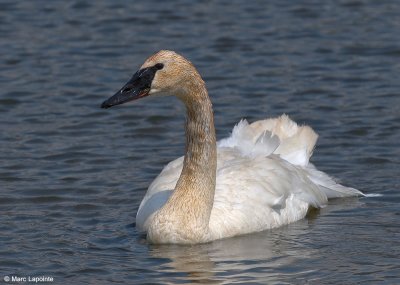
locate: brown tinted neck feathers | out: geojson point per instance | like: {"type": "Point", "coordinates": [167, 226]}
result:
{"type": "Point", "coordinates": [192, 200]}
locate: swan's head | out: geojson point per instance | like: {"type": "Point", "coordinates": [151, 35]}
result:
{"type": "Point", "coordinates": [164, 73]}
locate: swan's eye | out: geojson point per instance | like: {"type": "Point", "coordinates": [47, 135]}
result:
{"type": "Point", "coordinates": [159, 66]}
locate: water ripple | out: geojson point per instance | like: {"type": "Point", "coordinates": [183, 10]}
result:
{"type": "Point", "coordinates": [73, 175]}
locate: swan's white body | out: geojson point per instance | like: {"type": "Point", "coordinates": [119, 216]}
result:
{"type": "Point", "coordinates": [264, 180]}
{"type": "Point", "coordinates": [257, 179]}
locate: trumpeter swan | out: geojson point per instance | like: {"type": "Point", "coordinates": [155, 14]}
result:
{"type": "Point", "coordinates": [257, 179]}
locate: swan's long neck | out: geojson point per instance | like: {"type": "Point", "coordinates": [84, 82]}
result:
{"type": "Point", "coordinates": [187, 212]}
{"type": "Point", "coordinates": [197, 179]}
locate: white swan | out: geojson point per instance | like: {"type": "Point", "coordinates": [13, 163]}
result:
{"type": "Point", "coordinates": [257, 179]}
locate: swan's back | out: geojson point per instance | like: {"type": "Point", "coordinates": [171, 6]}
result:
{"type": "Point", "coordinates": [264, 179]}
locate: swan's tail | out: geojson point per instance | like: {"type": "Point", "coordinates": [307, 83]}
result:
{"type": "Point", "coordinates": [329, 186]}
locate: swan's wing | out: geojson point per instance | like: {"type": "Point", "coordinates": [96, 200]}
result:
{"type": "Point", "coordinates": [291, 142]}
{"type": "Point", "coordinates": [158, 193]}
{"type": "Point", "coordinates": [250, 142]}
{"type": "Point", "coordinates": [264, 177]}
{"type": "Point", "coordinates": [296, 142]}
{"type": "Point", "coordinates": [257, 193]}
{"type": "Point", "coordinates": [279, 136]}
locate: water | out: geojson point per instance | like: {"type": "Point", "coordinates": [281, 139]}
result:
{"type": "Point", "coordinates": [72, 175]}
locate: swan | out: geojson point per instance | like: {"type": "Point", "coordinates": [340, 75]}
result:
{"type": "Point", "coordinates": [259, 178]}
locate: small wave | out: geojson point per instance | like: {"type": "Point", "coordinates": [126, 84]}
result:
{"type": "Point", "coordinates": [373, 195]}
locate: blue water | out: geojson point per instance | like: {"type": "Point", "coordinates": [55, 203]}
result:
{"type": "Point", "coordinates": [72, 175]}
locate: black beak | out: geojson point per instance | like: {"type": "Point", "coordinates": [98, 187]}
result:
{"type": "Point", "coordinates": [136, 88]}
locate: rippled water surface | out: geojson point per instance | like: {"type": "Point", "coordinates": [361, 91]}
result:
{"type": "Point", "coordinates": [72, 175]}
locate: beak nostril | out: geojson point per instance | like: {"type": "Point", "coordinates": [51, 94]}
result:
{"type": "Point", "coordinates": [126, 89]}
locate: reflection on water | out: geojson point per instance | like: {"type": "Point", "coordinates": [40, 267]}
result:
{"type": "Point", "coordinates": [245, 258]}
{"type": "Point", "coordinates": [72, 175]}
{"type": "Point", "coordinates": [270, 257]}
